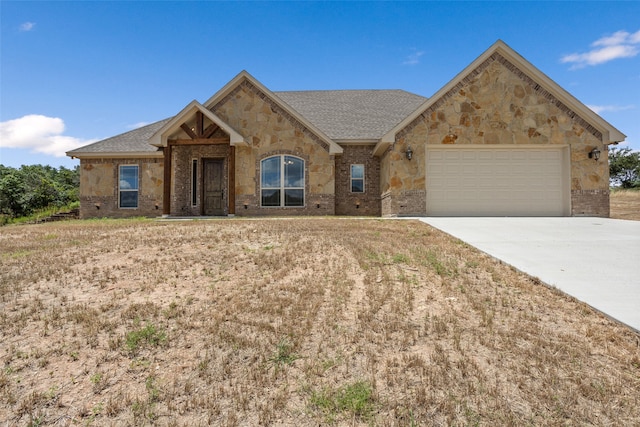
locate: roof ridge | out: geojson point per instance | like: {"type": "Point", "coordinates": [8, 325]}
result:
{"type": "Point", "coordinates": [348, 90]}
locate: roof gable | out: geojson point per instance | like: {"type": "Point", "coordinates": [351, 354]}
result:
{"type": "Point", "coordinates": [246, 79]}
{"type": "Point", "coordinates": [532, 76]}
{"type": "Point", "coordinates": [161, 136]}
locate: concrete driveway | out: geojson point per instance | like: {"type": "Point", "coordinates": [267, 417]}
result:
{"type": "Point", "coordinates": [596, 260]}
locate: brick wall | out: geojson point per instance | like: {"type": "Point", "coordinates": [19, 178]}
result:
{"type": "Point", "coordinates": [404, 203]}
{"type": "Point", "coordinates": [590, 203]}
{"type": "Point", "coordinates": [348, 203]}
{"type": "Point", "coordinates": [181, 185]}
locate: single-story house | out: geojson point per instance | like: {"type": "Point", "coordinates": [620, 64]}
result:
{"type": "Point", "coordinates": [500, 139]}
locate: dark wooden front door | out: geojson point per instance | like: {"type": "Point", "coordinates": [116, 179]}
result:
{"type": "Point", "coordinates": [213, 187]}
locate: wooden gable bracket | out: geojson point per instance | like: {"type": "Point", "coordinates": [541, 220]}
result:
{"type": "Point", "coordinates": [188, 130]}
{"type": "Point", "coordinates": [198, 132]}
{"type": "Point", "coordinates": [199, 123]}
{"type": "Point", "coordinates": [210, 130]}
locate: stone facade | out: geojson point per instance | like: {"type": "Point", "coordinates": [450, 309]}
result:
{"type": "Point", "coordinates": [270, 131]}
{"type": "Point", "coordinates": [348, 203]}
{"type": "Point", "coordinates": [497, 104]}
{"type": "Point", "coordinates": [99, 188]}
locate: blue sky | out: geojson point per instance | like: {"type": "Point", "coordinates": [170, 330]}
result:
{"type": "Point", "coordinates": [76, 72]}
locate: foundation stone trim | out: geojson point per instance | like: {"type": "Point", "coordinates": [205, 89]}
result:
{"type": "Point", "coordinates": [404, 203]}
{"type": "Point", "coordinates": [590, 203]}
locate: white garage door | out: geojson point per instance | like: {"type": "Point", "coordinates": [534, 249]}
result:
{"type": "Point", "coordinates": [497, 181]}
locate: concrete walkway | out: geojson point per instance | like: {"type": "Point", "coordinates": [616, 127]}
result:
{"type": "Point", "coordinates": [595, 260]}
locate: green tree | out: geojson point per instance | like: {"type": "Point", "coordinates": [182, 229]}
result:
{"type": "Point", "coordinates": [11, 187]}
{"type": "Point", "coordinates": [34, 187]}
{"type": "Point", "coordinates": [624, 167]}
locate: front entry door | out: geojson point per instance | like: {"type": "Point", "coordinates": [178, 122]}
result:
{"type": "Point", "coordinates": [213, 187]}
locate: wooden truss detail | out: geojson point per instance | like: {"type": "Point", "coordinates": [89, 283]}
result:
{"type": "Point", "coordinates": [210, 130]}
{"type": "Point", "coordinates": [198, 131]}
{"type": "Point", "coordinates": [189, 131]}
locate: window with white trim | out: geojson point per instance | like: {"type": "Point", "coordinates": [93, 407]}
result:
{"type": "Point", "coordinates": [357, 178]}
{"type": "Point", "coordinates": [128, 186]}
{"type": "Point", "coordinates": [282, 181]}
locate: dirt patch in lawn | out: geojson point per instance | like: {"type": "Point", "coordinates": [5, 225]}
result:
{"type": "Point", "coordinates": [625, 204]}
{"type": "Point", "coordinates": [294, 322]}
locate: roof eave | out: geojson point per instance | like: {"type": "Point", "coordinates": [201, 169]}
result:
{"type": "Point", "coordinates": [358, 141]}
{"type": "Point", "coordinates": [114, 154]}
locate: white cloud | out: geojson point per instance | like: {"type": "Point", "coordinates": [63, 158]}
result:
{"type": "Point", "coordinates": [620, 44]}
{"type": "Point", "coordinates": [40, 134]}
{"type": "Point", "coordinates": [27, 26]}
{"type": "Point", "coordinates": [613, 108]}
{"type": "Point", "coordinates": [137, 125]}
{"type": "Point", "coordinates": [414, 58]}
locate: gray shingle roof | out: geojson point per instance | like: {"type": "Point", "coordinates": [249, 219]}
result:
{"type": "Point", "coordinates": [135, 141]}
{"type": "Point", "coordinates": [340, 114]}
{"type": "Point", "coordinates": [353, 114]}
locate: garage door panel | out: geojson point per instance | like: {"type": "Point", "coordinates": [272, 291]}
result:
{"type": "Point", "coordinates": [452, 155]}
{"type": "Point", "coordinates": [495, 181]}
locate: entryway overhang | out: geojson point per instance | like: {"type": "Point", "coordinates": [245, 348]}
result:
{"type": "Point", "coordinates": [175, 126]}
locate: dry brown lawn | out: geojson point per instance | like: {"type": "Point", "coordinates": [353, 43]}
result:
{"type": "Point", "coordinates": [625, 204]}
{"type": "Point", "coordinates": [294, 322]}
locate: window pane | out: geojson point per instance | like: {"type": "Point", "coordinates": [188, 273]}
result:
{"type": "Point", "coordinates": [128, 177]}
{"type": "Point", "coordinates": [357, 186]}
{"type": "Point", "coordinates": [293, 172]}
{"type": "Point", "coordinates": [293, 197]}
{"type": "Point", "coordinates": [270, 197]}
{"type": "Point", "coordinates": [271, 172]}
{"type": "Point", "coordinates": [194, 183]}
{"type": "Point", "coordinates": [357, 171]}
{"type": "Point", "coordinates": [128, 199]}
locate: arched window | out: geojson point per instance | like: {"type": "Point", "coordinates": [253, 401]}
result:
{"type": "Point", "coordinates": [282, 181]}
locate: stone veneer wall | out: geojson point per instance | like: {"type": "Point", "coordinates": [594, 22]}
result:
{"type": "Point", "coordinates": [270, 131]}
{"type": "Point", "coordinates": [315, 204]}
{"type": "Point", "coordinates": [498, 104]}
{"type": "Point", "coordinates": [181, 163]}
{"type": "Point", "coordinates": [99, 188]}
{"type": "Point", "coordinates": [348, 203]}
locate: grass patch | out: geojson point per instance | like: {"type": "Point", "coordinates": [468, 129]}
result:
{"type": "Point", "coordinates": [284, 354]}
{"type": "Point", "coordinates": [149, 336]}
{"type": "Point", "coordinates": [400, 259]}
{"type": "Point", "coordinates": [353, 400]}
{"type": "Point", "coordinates": [625, 204]}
